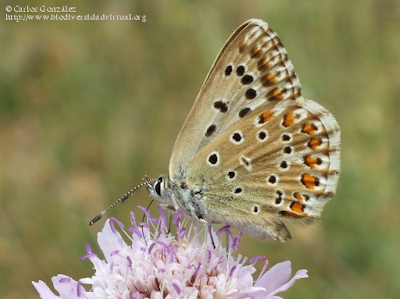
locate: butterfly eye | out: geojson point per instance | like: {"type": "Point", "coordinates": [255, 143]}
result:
{"type": "Point", "coordinates": [157, 186]}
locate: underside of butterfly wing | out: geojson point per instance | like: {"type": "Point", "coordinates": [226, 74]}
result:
{"type": "Point", "coordinates": [252, 148]}
{"type": "Point", "coordinates": [251, 70]}
{"type": "Point", "coordinates": [276, 164]}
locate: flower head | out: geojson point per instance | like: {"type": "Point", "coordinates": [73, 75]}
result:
{"type": "Point", "coordinates": [157, 264]}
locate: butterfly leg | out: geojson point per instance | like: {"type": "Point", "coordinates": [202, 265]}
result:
{"type": "Point", "coordinates": [169, 207]}
{"type": "Point", "coordinates": [169, 221]}
{"type": "Point", "coordinates": [205, 242]}
{"type": "Point", "coordinates": [227, 244]}
{"type": "Point", "coordinates": [174, 201]}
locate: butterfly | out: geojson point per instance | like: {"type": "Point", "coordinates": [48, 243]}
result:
{"type": "Point", "coordinates": [252, 153]}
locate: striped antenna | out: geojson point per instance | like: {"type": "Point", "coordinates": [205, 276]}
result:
{"type": "Point", "coordinates": [122, 199]}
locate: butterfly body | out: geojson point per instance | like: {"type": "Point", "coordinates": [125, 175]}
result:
{"type": "Point", "coordinates": [215, 210]}
{"type": "Point", "coordinates": [253, 152]}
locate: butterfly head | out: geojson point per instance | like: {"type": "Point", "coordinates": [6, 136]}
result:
{"type": "Point", "coordinates": [156, 188]}
{"type": "Point", "coordinates": [163, 190]}
{"type": "Point", "coordinates": [175, 197]}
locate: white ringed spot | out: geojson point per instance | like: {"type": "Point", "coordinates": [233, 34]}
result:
{"type": "Point", "coordinates": [284, 165]}
{"type": "Point", "coordinates": [272, 179]}
{"type": "Point", "coordinates": [231, 175]}
{"type": "Point", "coordinates": [262, 135]}
{"type": "Point", "coordinates": [213, 159]}
{"type": "Point", "coordinates": [237, 137]}
{"type": "Point", "coordinates": [256, 209]}
{"type": "Point", "coordinates": [286, 137]}
{"type": "Point", "coordinates": [238, 190]}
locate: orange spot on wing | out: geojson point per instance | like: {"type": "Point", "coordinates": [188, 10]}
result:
{"type": "Point", "coordinates": [263, 65]}
{"type": "Point", "coordinates": [297, 207]}
{"type": "Point", "coordinates": [255, 52]}
{"type": "Point", "coordinates": [293, 215]}
{"type": "Point", "coordinates": [298, 196]}
{"type": "Point", "coordinates": [268, 80]}
{"type": "Point", "coordinates": [314, 142]}
{"type": "Point", "coordinates": [309, 129]}
{"type": "Point", "coordinates": [267, 116]}
{"type": "Point", "coordinates": [288, 119]}
{"type": "Point", "coordinates": [276, 94]}
{"type": "Point", "coordinates": [309, 181]}
{"type": "Point", "coordinates": [311, 161]}
{"type": "Point", "coordinates": [271, 78]}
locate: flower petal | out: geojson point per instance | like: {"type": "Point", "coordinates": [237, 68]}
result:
{"type": "Point", "coordinates": [44, 291]}
{"type": "Point", "coordinates": [275, 280]}
{"type": "Point", "coordinates": [109, 241]}
{"type": "Point", "coordinates": [67, 287]}
{"type": "Point", "coordinates": [299, 274]}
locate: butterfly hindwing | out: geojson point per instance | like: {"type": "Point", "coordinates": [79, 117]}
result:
{"type": "Point", "coordinates": [264, 171]}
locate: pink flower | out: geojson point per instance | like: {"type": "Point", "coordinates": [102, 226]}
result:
{"type": "Point", "coordinates": [157, 264]}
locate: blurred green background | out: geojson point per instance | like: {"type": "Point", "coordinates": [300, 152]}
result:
{"type": "Point", "coordinates": [87, 108]}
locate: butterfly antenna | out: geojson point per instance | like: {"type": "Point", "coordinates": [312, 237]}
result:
{"type": "Point", "coordinates": [146, 181]}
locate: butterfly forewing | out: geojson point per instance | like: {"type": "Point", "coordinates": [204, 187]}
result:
{"type": "Point", "coordinates": [251, 70]}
